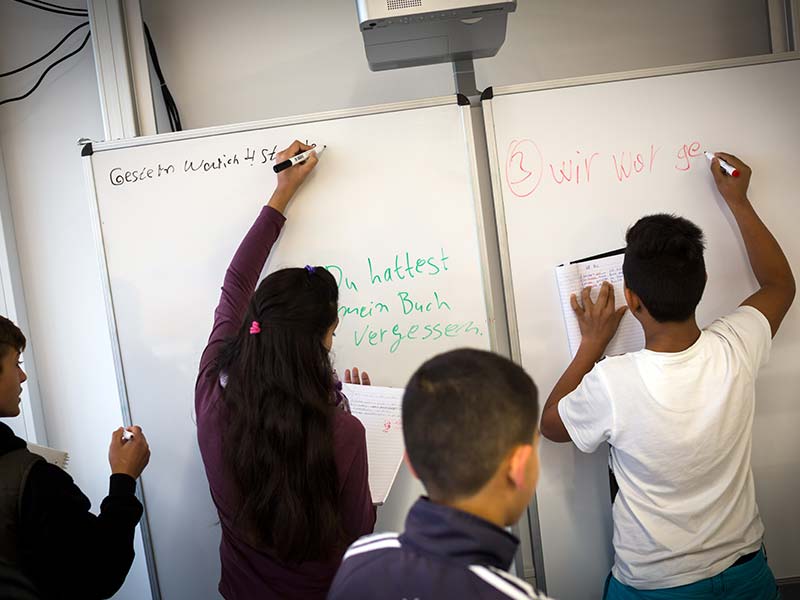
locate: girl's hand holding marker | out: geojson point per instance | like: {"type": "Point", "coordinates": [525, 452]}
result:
{"type": "Point", "coordinates": [299, 158]}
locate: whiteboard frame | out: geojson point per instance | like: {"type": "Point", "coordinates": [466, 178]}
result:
{"type": "Point", "coordinates": [712, 65]}
{"type": "Point", "coordinates": [492, 285]}
{"type": "Point", "coordinates": [119, 370]}
{"type": "Point", "coordinates": [499, 206]}
{"type": "Point", "coordinates": [276, 122]}
{"type": "Point", "coordinates": [534, 529]}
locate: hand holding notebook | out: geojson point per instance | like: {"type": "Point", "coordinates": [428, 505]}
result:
{"type": "Point", "coordinates": [573, 277]}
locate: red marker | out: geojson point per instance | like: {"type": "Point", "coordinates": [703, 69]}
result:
{"type": "Point", "coordinates": [728, 168]}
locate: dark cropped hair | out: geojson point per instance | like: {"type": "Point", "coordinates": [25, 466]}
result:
{"type": "Point", "coordinates": [463, 411]}
{"type": "Point", "coordinates": [278, 400]}
{"type": "Point", "coordinates": [11, 338]}
{"type": "Point", "coordinates": [664, 266]}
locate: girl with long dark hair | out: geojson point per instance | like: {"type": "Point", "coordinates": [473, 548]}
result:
{"type": "Point", "coordinates": [286, 462]}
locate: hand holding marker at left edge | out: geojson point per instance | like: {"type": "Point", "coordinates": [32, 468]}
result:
{"type": "Point", "coordinates": [128, 452]}
{"type": "Point", "coordinates": [598, 320]}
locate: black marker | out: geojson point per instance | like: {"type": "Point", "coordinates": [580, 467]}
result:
{"type": "Point", "coordinates": [302, 157]}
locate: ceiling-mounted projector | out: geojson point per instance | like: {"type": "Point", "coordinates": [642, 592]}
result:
{"type": "Point", "coordinates": [408, 33]}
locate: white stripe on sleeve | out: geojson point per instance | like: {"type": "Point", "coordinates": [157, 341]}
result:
{"type": "Point", "coordinates": [379, 545]}
{"type": "Point", "coordinates": [368, 539]}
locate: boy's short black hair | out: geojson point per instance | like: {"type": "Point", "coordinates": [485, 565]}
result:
{"type": "Point", "coordinates": [11, 338]}
{"type": "Point", "coordinates": [462, 413]}
{"type": "Point", "coordinates": [664, 266]}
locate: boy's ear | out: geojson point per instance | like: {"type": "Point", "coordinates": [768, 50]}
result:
{"type": "Point", "coordinates": [518, 465]}
{"type": "Point", "coordinates": [409, 465]}
{"type": "Point", "coordinates": [632, 300]}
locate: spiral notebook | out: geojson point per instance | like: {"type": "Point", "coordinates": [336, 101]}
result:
{"type": "Point", "coordinates": [379, 410]}
{"type": "Point", "coordinates": [51, 455]}
{"type": "Point", "coordinates": [592, 271]}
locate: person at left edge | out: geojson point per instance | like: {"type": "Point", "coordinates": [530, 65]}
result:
{"type": "Point", "coordinates": [285, 460]}
{"type": "Point", "coordinates": [51, 546]}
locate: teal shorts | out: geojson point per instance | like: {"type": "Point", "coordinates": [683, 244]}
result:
{"type": "Point", "coordinates": [752, 580]}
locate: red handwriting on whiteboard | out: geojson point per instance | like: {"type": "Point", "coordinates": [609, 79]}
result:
{"type": "Point", "coordinates": [627, 164]}
{"type": "Point", "coordinates": [523, 167]}
{"type": "Point", "coordinates": [570, 170]}
{"type": "Point", "coordinates": [685, 153]}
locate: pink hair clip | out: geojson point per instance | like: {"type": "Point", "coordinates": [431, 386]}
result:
{"type": "Point", "coordinates": [255, 328]}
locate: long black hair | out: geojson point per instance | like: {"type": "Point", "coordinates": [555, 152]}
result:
{"type": "Point", "coordinates": [278, 399]}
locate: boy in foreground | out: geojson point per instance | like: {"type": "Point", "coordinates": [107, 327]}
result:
{"type": "Point", "coordinates": [471, 435]}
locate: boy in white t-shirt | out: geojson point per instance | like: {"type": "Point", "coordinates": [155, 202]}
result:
{"type": "Point", "coordinates": [678, 415]}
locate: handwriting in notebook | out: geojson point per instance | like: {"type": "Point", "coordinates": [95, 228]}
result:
{"type": "Point", "coordinates": [573, 278]}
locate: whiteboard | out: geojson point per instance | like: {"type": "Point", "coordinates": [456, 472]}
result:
{"type": "Point", "coordinates": [574, 163]}
{"type": "Point", "coordinates": [391, 210]}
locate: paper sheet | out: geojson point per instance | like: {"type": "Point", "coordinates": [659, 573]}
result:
{"type": "Point", "coordinates": [379, 410]}
{"type": "Point", "coordinates": [51, 455]}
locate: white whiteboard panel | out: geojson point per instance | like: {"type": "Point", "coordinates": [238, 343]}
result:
{"type": "Point", "coordinates": [627, 148]}
{"type": "Point", "coordinates": [392, 191]}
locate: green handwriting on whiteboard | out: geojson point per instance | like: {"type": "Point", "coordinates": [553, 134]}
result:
{"type": "Point", "coordinates": [406, 267]}
{"type": "Point", "coordinates": [363, 311]}
{"type": "Point", "coordinates": [406, 303]}
{"type": "Point", "coordinates": [397, 334]}
{"type": "Point", "coordinates": [403, 267]}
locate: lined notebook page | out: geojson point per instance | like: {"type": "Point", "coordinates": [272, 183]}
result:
{"type": "Point", "coordinates": [569, 282]}
{"type": "Point", "coordinates": [572, 278]}
{"type": "Point", "coordinates": [379, 410]}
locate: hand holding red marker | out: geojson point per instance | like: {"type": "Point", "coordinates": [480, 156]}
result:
{"type": "Point", "coordinates": [729, 169]}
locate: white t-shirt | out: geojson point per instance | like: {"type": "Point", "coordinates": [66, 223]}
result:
{"type": "Point", "coordinates": [680, 429]}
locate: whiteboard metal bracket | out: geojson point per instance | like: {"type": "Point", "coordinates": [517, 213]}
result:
{"type": "Point", "coordinates": [464, 76]}
{"type": "Point", "coordinates": [123, 73]}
